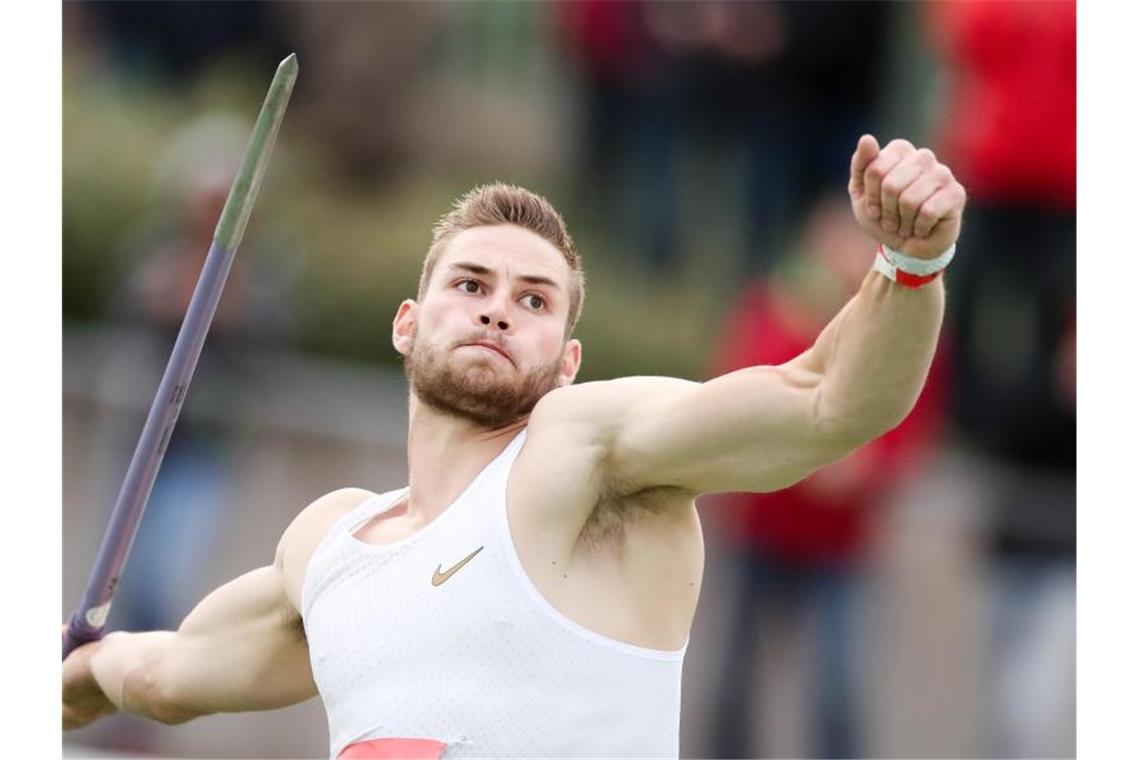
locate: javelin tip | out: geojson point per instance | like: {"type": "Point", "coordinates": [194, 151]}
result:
{"type": "Point", "coordinates": [288, 64]}
{"type": "Point", "coordinates": [231, 226]}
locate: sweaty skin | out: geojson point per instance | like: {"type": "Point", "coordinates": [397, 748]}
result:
{"type": "Point", "coordinates": [601, 500]}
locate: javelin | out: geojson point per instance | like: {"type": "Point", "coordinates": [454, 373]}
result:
{"type": "Point", "coordinates": [89, 619]}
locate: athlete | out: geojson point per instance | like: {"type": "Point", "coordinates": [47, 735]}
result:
{"type": "Point", "coordinates": [530, 592]}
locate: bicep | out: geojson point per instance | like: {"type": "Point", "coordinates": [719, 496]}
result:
{"type": "Point", "coordinates": [242, 648]}
{"type": "Point", "coordinates": [756, 429]}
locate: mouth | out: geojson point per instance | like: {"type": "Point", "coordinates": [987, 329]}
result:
{"type": "Point", "coordinates": [489, 346]}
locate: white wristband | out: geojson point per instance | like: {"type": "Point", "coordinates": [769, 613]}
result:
{"type": "Point", "coordinates": [919, 267]}
{"type": "Point", "coordinates": [909, 271]}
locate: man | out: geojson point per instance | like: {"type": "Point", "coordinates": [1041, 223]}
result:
{"type": "Point", "coordinates": [530, 592]}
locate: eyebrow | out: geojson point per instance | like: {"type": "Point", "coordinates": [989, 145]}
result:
{"type": "Point", "coordinates": [479, 269]}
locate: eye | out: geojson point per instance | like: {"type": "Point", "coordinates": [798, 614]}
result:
{"type": "Point", "coordinates": [469, 286]}
{"type": "Point", "coordinates": [535, 302]}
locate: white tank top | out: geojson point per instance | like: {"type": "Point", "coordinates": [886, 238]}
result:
{"type": "Point", "coordinates": [481, 662]}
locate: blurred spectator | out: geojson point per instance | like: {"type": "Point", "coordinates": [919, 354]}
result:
{"type": "Point", "coordinates": [360, 63]}
{"type": "Point", "coordinates": [1010, 134]}
{"type": "Point", "coordinates": [784, 88]}
{"type": "Point", "coordinates": [807, 546]}
{"type": "Point", "coordinates": [633, 102]}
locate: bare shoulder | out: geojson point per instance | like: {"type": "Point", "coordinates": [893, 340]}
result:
{"type": "Point", "coordinates": [305, 532]}
{"type": "Point", "coordinates": [590, 419]}
{"type": "Point", "coordinates": [565, 475]}
{"type": "Point", "coordinates": [603, 404]}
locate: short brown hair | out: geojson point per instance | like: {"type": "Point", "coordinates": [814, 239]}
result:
{"type": "Point", "coordinates": [499, 203]}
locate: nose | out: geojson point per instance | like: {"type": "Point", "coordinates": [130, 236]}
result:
{"type": "Point", "coordinates": [488, 318]}
{"type": "Point", "coordinates": [494, 312]}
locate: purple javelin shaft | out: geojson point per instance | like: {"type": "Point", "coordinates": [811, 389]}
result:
{"type": "Point", "coordinates": [88, 621]}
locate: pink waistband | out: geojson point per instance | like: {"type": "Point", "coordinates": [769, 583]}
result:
{"type": "Point", "coordinates": [394, 749]}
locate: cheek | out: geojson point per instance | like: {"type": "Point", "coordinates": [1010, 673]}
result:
{"type": "Point", "coordinates": [441, 318]}
{"type": "Point", "coordinates": [548, 347]}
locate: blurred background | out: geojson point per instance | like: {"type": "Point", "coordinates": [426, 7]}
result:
{"type": "Point", "coordinates": [916, 599]}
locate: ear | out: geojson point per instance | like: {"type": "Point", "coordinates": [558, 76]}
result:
{"type": "Point", "coordinates": [404, 326]}
{"type": "Point", "coordinates": [571, 361]}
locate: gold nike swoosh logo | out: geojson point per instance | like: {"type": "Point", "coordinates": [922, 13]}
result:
{"type": "Point", "coordinates": [438, 578]}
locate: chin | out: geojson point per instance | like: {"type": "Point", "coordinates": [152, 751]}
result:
{"type": "Point", "coordinates": [481, 368]}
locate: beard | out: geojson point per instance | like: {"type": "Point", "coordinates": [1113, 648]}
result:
{"type": "Point", "coordinates": [475, 391]}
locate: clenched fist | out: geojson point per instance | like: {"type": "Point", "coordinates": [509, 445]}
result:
{"type": "Point", "coordinates": [904, 198]}
{"type": "Point", "coordinates": [83, 701]}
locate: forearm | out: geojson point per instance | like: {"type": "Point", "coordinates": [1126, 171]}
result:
{"type": "Point", "coordinates": [873, 358]}
{"type": "Point", "coordinates": [762, 428]}
{"type": "Point", "coordinates": [241, 648]}
{"type": "Point", "coordinates": [127, 666]}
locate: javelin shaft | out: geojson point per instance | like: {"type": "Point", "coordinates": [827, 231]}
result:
{"type": "Point", "coordinates": [89, 619]}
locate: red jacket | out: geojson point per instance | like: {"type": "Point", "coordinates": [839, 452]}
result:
{"type": "Point", "coordinates": [830, 515]}
{"type": "Point", "coordinates": [1010, 124]}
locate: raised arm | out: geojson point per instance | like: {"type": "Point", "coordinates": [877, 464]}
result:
{"type": "Point", "coordinates": [763, 428]}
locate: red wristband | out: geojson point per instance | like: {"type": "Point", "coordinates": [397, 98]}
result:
{"type": "Point", "coordinates": [888, 265]}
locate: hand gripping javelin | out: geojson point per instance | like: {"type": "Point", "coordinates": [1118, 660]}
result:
{"type": "Point", "coordinates": [89, 619]}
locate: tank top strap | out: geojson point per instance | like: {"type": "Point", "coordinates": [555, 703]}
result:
{"type": "Point", "coordinates": [328, 547]}
{"type": "Point", "coordinates": [492, 482]}
{"type": "Point", "coordinates": [370, 507]}
{"type": "Point", "coordinates": [367, 509]}
{"type": "Point", "coordinates": [501, 467]}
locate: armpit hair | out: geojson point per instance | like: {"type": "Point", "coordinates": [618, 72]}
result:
{"type": "Point", "coordinates": [620, 507]}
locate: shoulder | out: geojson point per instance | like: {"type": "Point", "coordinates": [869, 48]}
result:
{"type": "Point", "coordinates": [601, 414]}
{"type": "Point", "coordinates": [312, 522]}
{"type": "Point", "coordinates": [582, 429]}
{"type": "Point", "coordinates": [603, 404]}
{"type": "Point", "coordinates": [323, 512]}
{"type": "Point", "coordinates": [305, 532]}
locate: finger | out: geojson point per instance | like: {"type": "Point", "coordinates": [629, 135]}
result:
{"type": "Point", "coordinates": [897, 180]}
{"type": "Point", "coordinates": [944, 204]}
{"type": "Point", "coordinates": [878, 169]}
{"type": "Point", "coordinates": [929, 182]}
{"type": "Point", "coordinates": [864, 154]}
{"type": "Point", "coordinates": [70, 720]}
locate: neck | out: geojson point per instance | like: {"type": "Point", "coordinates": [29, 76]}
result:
{"type": "Point", "coordinates": [445, 453]}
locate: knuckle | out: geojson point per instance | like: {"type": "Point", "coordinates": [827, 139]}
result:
{"type": "Point", "coordinates": [901, 146]}
{"type": "Point", "coordinates": [936, 206]}
{"type": "Point", "coordinates": [911, 198]}
{"type": "Point", "coordinates": [926, 155]}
